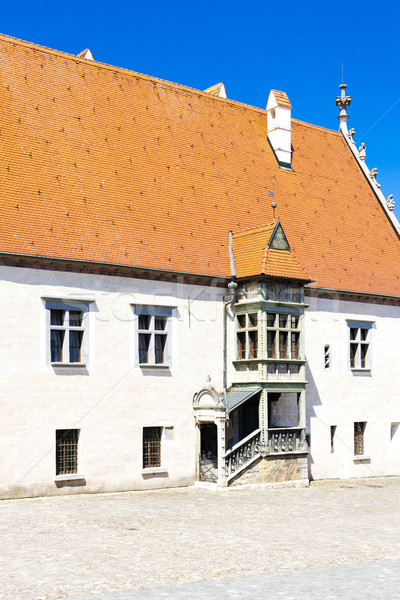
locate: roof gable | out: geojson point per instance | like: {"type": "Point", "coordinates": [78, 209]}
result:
{"type": "Point", "coordinates": [265, 251]}
{"type": "Point", "coordinates": [278, 239]}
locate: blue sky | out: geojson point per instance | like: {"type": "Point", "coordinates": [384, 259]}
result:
{"type": "Point", "coordinates": [252, 46]}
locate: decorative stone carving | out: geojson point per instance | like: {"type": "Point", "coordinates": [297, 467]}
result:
{"type": "Point", "coordinates": [352, 133]}
{"type": "Point", "coordinates": [390, 202]}
{"type": "Point", "coordinates": [208, 397]}
{"type": "Point", "coordinates": [362, 151]}
{"type": "Point", "coordinates": [373, 174]}
{"type": "Point", "coordinates": [343, 102]}
{"type": "Point", "coordinates": [303, 445]}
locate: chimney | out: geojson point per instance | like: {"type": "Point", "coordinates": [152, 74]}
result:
{"type": "Point", "coordinates": [86, 54]}
{"type": "Point", "coordinates": [280, 127]}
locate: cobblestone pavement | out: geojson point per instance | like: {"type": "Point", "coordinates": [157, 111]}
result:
{"type": "Point", "coordinates": [83, 545]}
{"type": "Point", "coordinates": [368, 581]}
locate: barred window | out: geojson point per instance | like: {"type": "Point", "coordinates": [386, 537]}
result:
{"type": "Point", "coordinates": [151, 447]}
{"type": "Point", "coordinates": [67, 451]}
{"type": "Point", "coordinates": [359, 430]}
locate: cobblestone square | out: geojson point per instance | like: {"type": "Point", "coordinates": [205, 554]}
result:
{"type": "Point", "coordinates": [127, 545]}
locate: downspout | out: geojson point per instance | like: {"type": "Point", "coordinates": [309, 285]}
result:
{"type": "Point", "coordinates": [232, 285]}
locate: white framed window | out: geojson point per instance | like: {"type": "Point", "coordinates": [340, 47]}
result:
{"type": "Point", "coordinates": [360, 338]}
{"type": "Point", "coordinates": [67, 333]}
{"type": "Point", "coordinates": [153, 336]}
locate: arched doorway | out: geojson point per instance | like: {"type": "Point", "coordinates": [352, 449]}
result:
{"type": "Point", "coordinates": [208, 464]}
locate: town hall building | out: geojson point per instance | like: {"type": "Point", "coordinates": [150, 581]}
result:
{"type": "Point", "coordinates": [193, 290]}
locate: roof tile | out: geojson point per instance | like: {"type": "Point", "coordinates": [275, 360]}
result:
{"type": "Point", "coordinates": [102, 164]}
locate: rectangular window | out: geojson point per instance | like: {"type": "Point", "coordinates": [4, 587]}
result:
{"type": "Point", "coordinates": [283, 336]}
{"type": "Point", "coordinates": [359, 345]}
{"type": "Point", "coordinates": [247, 336]}
{"type": "Point", "coordinates": [67, 332]}
{"type": "Point", "coordinates": [151, 447]}
{"type": "Point", "coordinates": [283, 344]}
{"type": "Point", "coordinates": [153, 335]}
{"type": "Point", "coordinates": [333, 431]}
{"type": "Point", "coordinates": [67, 451]}
{"type": "Point", "coordinates": [359, 430]}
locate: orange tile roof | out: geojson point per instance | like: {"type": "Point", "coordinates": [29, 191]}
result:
{"type": "Point", "coordinates": [281, 99]}
{"type": "Point", "coordinates": [253, 256]}
{"type": "Point", "coordinates": [102, 164]}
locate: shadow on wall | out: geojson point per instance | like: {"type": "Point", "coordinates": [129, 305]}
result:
{"type": "Point", "coordinates": [71, 483]}
{"type": "Point", "coordinates": [313, 399]}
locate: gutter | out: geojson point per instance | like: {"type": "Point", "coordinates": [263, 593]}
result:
{"type": "Point", "coordinates": [114, 265]}
{"type": "Point", "coordinates": [350, 293]}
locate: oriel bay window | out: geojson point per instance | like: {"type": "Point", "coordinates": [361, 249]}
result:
{"type": "Point", "coordinates": [247, 336]}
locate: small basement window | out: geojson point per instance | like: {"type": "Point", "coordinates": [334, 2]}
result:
{"type": "Point", "coordinates": [67, 451]}
{"type": "Point", "coordinates": [151, 447]}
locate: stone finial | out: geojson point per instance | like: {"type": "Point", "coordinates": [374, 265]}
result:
{"type": "Point", "coordinates": [390, 202]}
{"type": "Point", "coordinates": [343, 102]}
{"type": "Point", "coordinates": [352, 133]}
{"type": "Point", "coordinates": [362, 151]}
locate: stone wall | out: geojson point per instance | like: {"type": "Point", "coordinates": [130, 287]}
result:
{"type": "Point", "coordinates": [275, 469]}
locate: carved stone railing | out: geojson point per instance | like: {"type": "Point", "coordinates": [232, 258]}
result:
{"type": "Point", "coordinates": [283, 440]}
{"type": "Point", "coordinates": [242, 454]}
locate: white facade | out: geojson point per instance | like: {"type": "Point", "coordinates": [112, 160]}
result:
{"type": "Point", "coordinates": [339, 396]}
{"type": "Point", "coordinates": [110, 399]}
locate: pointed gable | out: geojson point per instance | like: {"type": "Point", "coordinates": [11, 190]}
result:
{"type": "Point", "coordinates": [266, 251]}
{"type": "Point", "coordinates": [278, 239]}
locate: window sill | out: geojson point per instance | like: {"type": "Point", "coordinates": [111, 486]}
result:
{"type": "Point", "coordinates": [69, 477]}
{"type": "Point", "coordinates": [361, 457]}
{"type": "Point", "coordinates": [66, 364]}
{"type": "Point", "coordinates": [155, 470]}
{"type": "Point", "coordinates": [293, 361]}
{"type": "Point", "coordinates": [360, 370]}
{"type": "Point", "coordinates": [149, 366]}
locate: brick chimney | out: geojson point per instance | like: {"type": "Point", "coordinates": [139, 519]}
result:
{"type": "Point", "coordinates": [280, 127]}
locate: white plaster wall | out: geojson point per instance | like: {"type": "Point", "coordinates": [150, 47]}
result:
{"type": "Point", "coordinates": [341, 397]}
{"type": "Point", "coordinates": [112, 399]}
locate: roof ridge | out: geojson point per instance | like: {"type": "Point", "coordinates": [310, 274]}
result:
{"type": "Point", "coordinates": [125, 71]}
{"type": "Point", "coordinates": [184, 88]}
